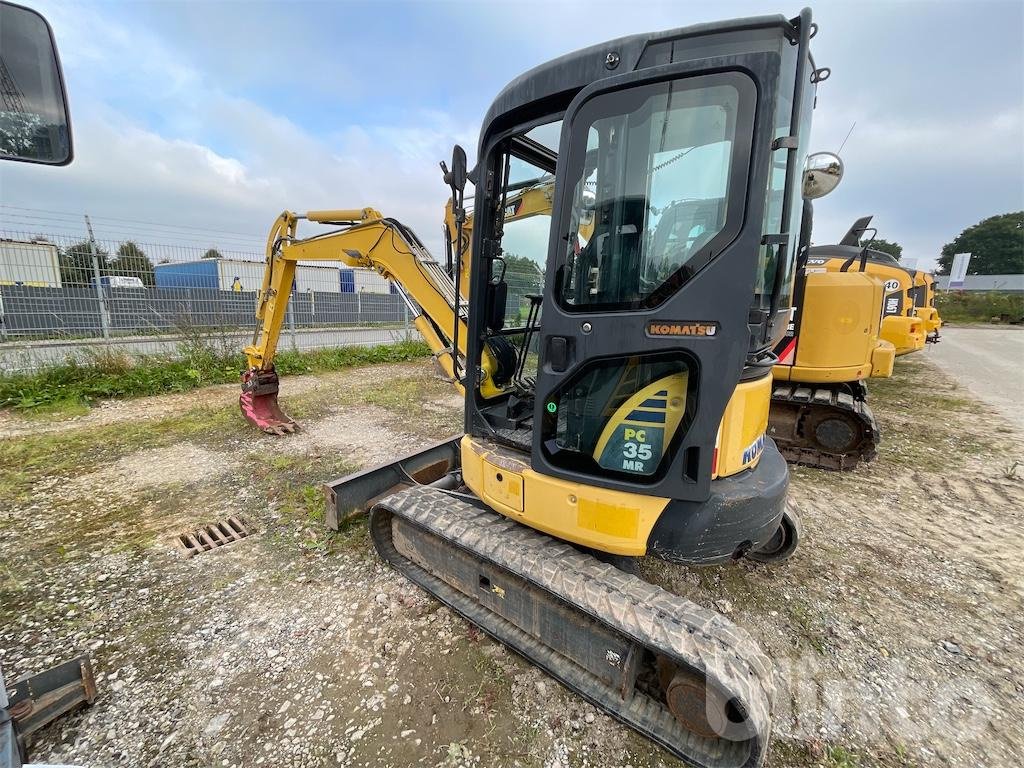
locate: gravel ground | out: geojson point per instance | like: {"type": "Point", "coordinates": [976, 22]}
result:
{"type": "Point", "coordinates": [896, 627]}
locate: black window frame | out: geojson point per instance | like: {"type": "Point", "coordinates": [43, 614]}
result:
{"type": "Point", "coordinates": [576, 125]}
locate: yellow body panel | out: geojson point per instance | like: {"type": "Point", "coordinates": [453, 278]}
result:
{"type": "Point", "coordinates": [744, 423]}
{"type": "Point", "coordinates": [883, 358]}
{"type": "Point", "coordinates": [839, 330]}
{"type": "Point", "coordinates": [930, 317]}
{"type": "Point", "coordinates": [906, 334]}
{"type": "Point", "coordinates": [601, 518]}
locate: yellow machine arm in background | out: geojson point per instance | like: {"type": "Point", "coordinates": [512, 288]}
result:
{"type": "Point", "coordinates": [365, 239]}
{"type": "Point", "coordinates": [530, 202]}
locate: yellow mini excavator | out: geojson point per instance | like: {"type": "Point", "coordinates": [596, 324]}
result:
{"type": "Point", "coordinates": [819, 415]}
{"type": "Point", "coordinates": [909, 317]}
{"type": "Point", "coordinates": [627, 416]}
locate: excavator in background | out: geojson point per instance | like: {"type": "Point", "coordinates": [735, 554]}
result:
{"type": "Point", "coordinates": [909, 316]}
{"type": "Point", "coordinates": [820, 416]}
{"type": "Point", "coordinates": [638, 427]}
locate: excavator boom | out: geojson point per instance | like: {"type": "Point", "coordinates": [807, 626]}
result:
{"type": "Point", "coordinates": [364, 238]}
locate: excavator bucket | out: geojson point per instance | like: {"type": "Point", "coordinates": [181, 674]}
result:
{"type": "Point", "coordinates": [258, 402]}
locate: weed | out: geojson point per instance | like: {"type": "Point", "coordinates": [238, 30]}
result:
{"type": "Point", "coordinates": [841, 757]}
{"type": "Point", "coordinates": [1010, 472]}
{"type": "Point", "coordinates": [200, 362]}
{"type": "Point", "coordinates": [980, 307]}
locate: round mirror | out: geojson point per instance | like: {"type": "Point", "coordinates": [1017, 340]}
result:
{"type": "Point", "coordinates": [822, 173]}
{"type": "Point", "coordinates": [459, 168]}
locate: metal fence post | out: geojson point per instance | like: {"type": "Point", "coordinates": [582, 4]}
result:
{"type": "Point", "coordinates": [100, 294]}
{"type": "Point", "coordinates": [405, 320]}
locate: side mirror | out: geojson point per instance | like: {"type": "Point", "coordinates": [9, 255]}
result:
{"type": "Point", "coordinates": [459, 172]}
{"type": "Point", "coordinates": [822, 173]}
{"type": "Point", "coordinates": [34, 122]}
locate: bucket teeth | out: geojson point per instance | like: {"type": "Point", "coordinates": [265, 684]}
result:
{"type": "Point", "coordinates": [259, 405]}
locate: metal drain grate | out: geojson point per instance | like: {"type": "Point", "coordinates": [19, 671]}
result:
{"type": "Point", "coordinates": [212, 536]}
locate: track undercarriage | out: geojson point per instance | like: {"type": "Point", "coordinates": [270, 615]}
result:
{"type": "Point", "coordinates": [684, 676]}
{"type": "Point", "coordinates": [828, 426]}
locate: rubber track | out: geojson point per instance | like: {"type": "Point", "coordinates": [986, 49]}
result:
{"type": "Point", "coordinates": [812, 400]}
{"type": "Point", "coordinates": [656, 619]}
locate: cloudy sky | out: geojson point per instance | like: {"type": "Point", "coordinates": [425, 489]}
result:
{"type": "Point", "coordinates": [213, 117]}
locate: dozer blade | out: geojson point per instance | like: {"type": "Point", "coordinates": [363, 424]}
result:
{"type": "Point", "coordinates": [37, 700]}
{"type": "Point", "coordinates": [355, 494]}
{"type": "Point", "coordinates": [683, 676]}
{"type": "Point", "coordinates": [258, 402]}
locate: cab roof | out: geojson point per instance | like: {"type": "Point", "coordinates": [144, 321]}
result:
{"type": "Point", "coordinates": [548, 88]}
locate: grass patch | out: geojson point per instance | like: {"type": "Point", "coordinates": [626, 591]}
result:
{"type": "Point", "coordinates": [74, 452]}
{"type": "Point", "coordinates": [69, 387]}
{"type": "Point", "coordinates": [980, 306]}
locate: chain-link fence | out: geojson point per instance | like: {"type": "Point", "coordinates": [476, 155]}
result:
{"type": "Point", "coordinates": [66, 295]}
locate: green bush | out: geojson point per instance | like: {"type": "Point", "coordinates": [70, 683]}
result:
{"type": "Point", "coordinates": [108, 375]}
{"type": "Point", "coordinates": [980, 306]}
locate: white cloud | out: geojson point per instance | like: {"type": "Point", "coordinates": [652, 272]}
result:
{"type": "Point", "coordinates": [206, 115]}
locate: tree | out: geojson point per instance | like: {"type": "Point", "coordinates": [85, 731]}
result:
{"type": "Point", "coordinates": [523, 274]}
{"type": "Point", "coordinates": [212, 253]}
{"type": "Point", "coordinates": [76, 263]}
{"type": "Point", "coordinates": [893, 249]}
{"type": "Point", "coordinates": [996, 245]}
{"type": "Point", "coordinates": [131, 261]}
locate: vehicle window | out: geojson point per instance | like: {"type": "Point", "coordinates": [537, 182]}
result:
{"type": "Point", "coordinates": [652, 191]}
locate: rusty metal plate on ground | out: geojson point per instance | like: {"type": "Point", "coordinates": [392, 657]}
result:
{"type": "Point", "coordinates": [212, 536]}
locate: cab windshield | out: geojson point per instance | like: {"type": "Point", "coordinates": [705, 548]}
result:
{"type": "Point", "coordinates": [659, 188]}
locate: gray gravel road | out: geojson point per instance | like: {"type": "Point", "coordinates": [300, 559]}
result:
{"type": "Point", "coordinates": [988, 361]}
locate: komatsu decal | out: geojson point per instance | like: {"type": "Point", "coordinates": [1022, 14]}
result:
{"type": "Point", "coordinates": [753, 450]}
{"type": "Point", "coordinates": [681, 328]}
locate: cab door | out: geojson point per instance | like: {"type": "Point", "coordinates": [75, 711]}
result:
{"type": "Point", "coordinates": [645, 325]}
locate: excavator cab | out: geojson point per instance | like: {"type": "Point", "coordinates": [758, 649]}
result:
{"type": "Point", "coordinates": [651, 346]}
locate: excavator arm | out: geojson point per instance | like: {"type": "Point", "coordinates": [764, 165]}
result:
{"type": "Point", "coordinates": [535, 200]}
{"type": "Point", "coordinates": [364, 238]}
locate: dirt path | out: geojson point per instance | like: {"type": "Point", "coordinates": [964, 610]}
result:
{"type": "Point", "coordinates": [895, 628]}
{"type": "Point", "coordinates": [988, 361]}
